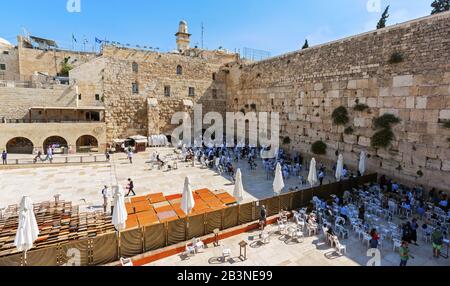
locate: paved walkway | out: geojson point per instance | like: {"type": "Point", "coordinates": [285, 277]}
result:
{"type": "Point", "coordinates": [84, 182]}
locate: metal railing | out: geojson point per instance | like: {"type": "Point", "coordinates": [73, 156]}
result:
{"type": "Point", "coordinates": [81, 159]}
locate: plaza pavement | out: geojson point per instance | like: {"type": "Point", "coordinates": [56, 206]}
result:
{"type": "Point", "coordinates": [82, 184]}
{"type": "Point", "coordinates": [312, 251]}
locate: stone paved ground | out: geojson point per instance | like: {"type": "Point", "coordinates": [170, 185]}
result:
{"type": "Point", "coordinates": [313, 251]}
{"type": "Point", "coordinates": [78, 182]}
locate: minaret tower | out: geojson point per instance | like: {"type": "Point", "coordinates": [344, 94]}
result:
{"type": "Point", "coordinates": [183, 37]}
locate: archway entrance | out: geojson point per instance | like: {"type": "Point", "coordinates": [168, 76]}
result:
{"type": "Point", "coordinates": [87, 144]}
{"type": "Point", "coordinates": [58, 144]}
{"type": "Point", "coordinates": [19, 145]}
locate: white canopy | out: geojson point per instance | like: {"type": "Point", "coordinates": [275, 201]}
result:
{"type": "Point", "coordinates": [312, 176]}
{"type": "Point", "coordinates": [187, 202]}
{"type": "Point", "coordinates": [120, 215]}
{"type": "Point", "coordinates": [362, 163]}
{"type": "Point", "coordinates": [339, 167]}
{"type": "Point", "coordinates": [238, 187]}
{"type": "Point", "coordinates": [28, 230]}
{"type": "Point", "coordinates": [278, 183]}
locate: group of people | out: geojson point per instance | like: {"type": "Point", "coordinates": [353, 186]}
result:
{"type": "Point", "coordinates": [106, 194]}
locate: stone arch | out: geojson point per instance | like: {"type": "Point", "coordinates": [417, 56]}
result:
{"type": "Point", "coordinates": [86, 144]}
{"type": "Point", "coordinates": [57, 142]}
{"type": "Point", "coordinates": [20, 145]}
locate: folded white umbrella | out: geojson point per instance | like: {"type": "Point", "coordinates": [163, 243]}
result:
{"type": "Point", "coordinates": [312, 176]}
{"type": "Point", "coordinates": [238, 187]}
{"type": "Point", "coordinates": [187, 202]}
{"type": "Point", "coordinates": [120, 215]}
{"type": "Point", "coordinates": [339, 167]}
{"type": "Point", "coordinates": [28, 230]}
{"type": "Point", "coordinates": [278, 182]}
{"type": "Point", "coordinates": [362, 163]}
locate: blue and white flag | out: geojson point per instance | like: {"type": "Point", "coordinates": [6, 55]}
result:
{"type": "Point", "coordinates": [98, 41]}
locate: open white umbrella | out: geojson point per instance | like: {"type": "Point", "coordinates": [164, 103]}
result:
{"type": "Point", "coordinates": [278, 182]}
{"type": "Point", "coordinates": [339, 167]}
{"type": "Point", "coordinates": [238, 187]}
{"type": "Point", "coordinates": [120, 215]}
{"type": "Point", "coordinates": [187, 202]}
{"type": "Point", "coordinates": [28, 230]}
{"type": "Point", "coordinates": [312, 176]}
{"type": "Point", "coordinates": [362, 163]}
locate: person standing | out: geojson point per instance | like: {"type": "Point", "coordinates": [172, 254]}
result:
{"type": "Point", "coordinates": [4, 157]}
{"type": "Point", "coordinates": [404, 254]}
{"type": "Point", "coordinates": [321, 176]}
{"type": "Point", "coordinates": [105, 198]}
{"type": "Point", "coordinates": [414, 227]}
{"type": "Point", "coordinates": [130, 188]}
{"type": "Point", "coordinates": [130, 156]}
{"type": "Point", "coordinates": [437, 239]}
{"type": "Point", "coordinates": [263, 217]}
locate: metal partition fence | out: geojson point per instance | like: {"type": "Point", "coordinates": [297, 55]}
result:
{"type": "Point", "coordinates": [108, 248]}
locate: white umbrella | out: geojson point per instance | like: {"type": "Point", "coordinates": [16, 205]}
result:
{"type": "Point", "coordinates": [339, 167]}
{"type": "Point", "coordinates": [187, 202]}
{"type": "Point", "coordinates": [120, 215]}
{"type": "Point", "coordinates": [28, 230]}
{"type": "Point", "coordinates": [238, 187]}
{"type": "Point", "coordinates": [362, 163]}
{"type": "Point", "coordinates": [278, 183]}
{"type": "Point", "coordinates": [312, 176]}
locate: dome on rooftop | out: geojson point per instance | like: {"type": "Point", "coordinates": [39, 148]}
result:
{"type": "Point", "coordinates": [5, 44]}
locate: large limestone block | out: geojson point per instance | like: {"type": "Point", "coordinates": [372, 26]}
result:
{"type": "Point", "coordinates": [403, 81]}
{"type": "Point", "coordinates": [421, 102]}
{"type": "Point", "coordinates": [444, 114]}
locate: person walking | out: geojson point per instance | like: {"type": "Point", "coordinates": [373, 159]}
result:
{"type": "Point", "coordinates": [4, 157]}
{"type": "Point", "coordinates": [130, 188]}
{"type": "Point", "coordinates": [105, 198]}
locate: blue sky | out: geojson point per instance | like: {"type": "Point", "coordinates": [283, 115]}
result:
{"type": "Point", "coordinates": [277, 26]}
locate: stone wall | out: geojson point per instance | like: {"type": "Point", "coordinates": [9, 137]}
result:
{"type": "Point", "coordinates": [10, 59]}
{"type": "Point", "coordinates": [306, 86]}
{"type": "Point", "coordinates": [15, 102]}
{"type": "Point", "coordinates": [47, 61]}
{"type": "Point", "coordinates": [128, 114]}
{"type": "Point", "coordinates": [88, 78]}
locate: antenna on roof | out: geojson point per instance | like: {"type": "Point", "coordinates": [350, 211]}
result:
{"type": "Point", "coordinates": [26, 34]}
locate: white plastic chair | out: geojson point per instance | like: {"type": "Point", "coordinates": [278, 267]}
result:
{"type": "Point", "coordinates": [190, 249]}
{"type": "Point", "coordinates": [127, 262]}
{"type": "Point", "coordinates": [226, 252]}
{"type": "Point", "coordinates": [341, 249]}
{"type": "Point", "coordinates": [397, 244]}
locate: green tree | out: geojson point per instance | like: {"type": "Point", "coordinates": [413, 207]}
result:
{"type": "Point", "coordinates": [440, 6]}
{"type": "Point", "coordinates": [65, 67]}
{"type": "Point", "coordinates": [305, 45]}
{"type": "Point", "coordinates": [382, 23]}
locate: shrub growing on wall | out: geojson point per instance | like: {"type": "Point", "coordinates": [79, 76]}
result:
{"type": "Point", "coordinates": [349, 130]}
{"type": "Point", "coordinates": [340, 116]}
{"type": "Point", "coordinates": [360, 107]}
{"type": "Point", "coordinates": [396, 58]}
{"type": "Point", "coordinates": [319, 148]}
{"type": "Point", "coordinates": [286, 140]}
{"type": "Point", "coordinates": [384, 135]}
{"type": "Point", "coordinates": [385, 121]}
{"type": "Point", "coordinates": [447, 124]}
